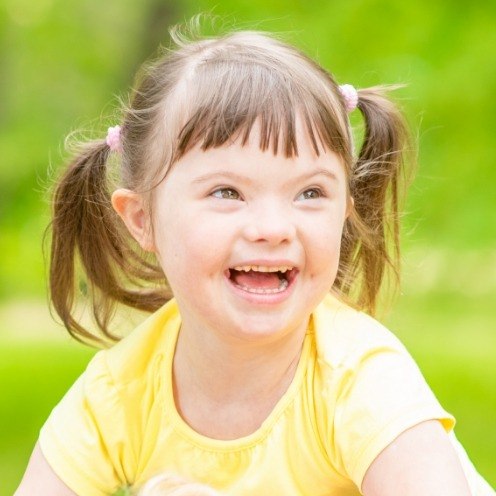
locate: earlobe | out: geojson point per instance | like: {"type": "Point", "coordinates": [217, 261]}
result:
{"type": "Point", "coordinates": [131, 209]}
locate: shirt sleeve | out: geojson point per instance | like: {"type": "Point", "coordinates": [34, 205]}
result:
{"type": "Point", "coordinates": [82, 440]}
{"type": "Point", "coordinates": [382, 396]}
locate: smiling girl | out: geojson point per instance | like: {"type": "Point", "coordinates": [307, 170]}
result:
{"type": "Point", "coordinates": [257, 236]}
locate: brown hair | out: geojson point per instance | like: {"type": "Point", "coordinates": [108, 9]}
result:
{"type": "Point", "coordinates": [204, 92]}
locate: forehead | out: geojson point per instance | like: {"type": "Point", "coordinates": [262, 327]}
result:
{"type": "Point", "coordinates": [247, 158]}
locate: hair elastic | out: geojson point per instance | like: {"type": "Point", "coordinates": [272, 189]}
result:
{"type": "Point", "coordinates": [348, 92]}
{"type": "Point", "coordinates": [350, 95]}
{"type": "Point", "coordinates": [113, 139]}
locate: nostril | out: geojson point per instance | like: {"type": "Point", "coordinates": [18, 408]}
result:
{"type": "Point", "coordinates": [270, 229]}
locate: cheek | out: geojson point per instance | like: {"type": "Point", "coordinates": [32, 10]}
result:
{"type": "Point", "coordinates": [325, 242]}
{"type": "Point", "coordinates": [326, 255]}
{"type": "Point", "coordinates": [188, 248]}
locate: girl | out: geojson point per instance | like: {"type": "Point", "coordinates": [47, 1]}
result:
{"type": "Point", "coordinates": [245, 199]}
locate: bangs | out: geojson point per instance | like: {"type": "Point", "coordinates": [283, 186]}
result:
{"type": "Point", "coordinates": [225, 96]}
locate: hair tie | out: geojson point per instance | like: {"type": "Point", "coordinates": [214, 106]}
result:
{"type": "Point", "coordinates": [350, 95]}
{"type": "Point", "coordinates": [113, 139]}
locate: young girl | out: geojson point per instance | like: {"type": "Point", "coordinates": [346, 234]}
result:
{"type": "Point", "coordinates": [246, 200]}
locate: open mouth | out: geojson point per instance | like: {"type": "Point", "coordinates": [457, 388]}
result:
{"type": "Point", "coordinates": [259, 279]}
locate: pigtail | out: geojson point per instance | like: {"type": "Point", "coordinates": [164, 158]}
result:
{"type": "Point", "coordinates": [87, 234]}
{"type": "Point", "coordinates": [371, 240]}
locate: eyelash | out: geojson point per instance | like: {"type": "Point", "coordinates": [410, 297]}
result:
{"type": "Point", "coordinates": [218, 193]}
{"type": "Point", "coordinates": [234, 195]}
{"type": "Point", "coordinates": [317, 190]}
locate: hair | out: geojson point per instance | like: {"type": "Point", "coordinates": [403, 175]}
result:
{"type": "Point", "coordinates": [205, 92]}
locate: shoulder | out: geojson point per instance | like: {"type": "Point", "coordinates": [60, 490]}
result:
{"type": "Point", "coordinates": [102, 414]}
{"type": "Point", "coordinates": [345, 336]}
{"type": "Point", "coordinates": [117, 376]}
{"type": "Point", "coordinates": [368, 388]}
{"type": "Point", "coordinates": [135, 355]}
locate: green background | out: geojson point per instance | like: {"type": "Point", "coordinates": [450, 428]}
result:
{"type": "Point", "coordinates": [62, 67]}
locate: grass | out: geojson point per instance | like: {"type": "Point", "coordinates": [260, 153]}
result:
{"type": "Point", "coordinates": [33, 378]}
{"type": "Point", "coordinates": [449, 334]}
{"type": "Point", "coordinates": [451, 337]}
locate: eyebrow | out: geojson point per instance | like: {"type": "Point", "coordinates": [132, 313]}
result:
{"type": "Point", "coordinates": [221, 175]}
{"type": "Point", "coordinates": [318, 172]}
{"type": "Point", "coordinates": [240, 178]}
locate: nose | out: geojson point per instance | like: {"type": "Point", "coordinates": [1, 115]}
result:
{"type": "Point", "coordinates": [271, 223]}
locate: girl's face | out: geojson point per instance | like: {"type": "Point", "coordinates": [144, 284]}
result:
{"type": "Point", "coordinates": [250, 241]}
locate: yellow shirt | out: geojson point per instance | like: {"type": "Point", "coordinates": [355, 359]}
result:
{"type": "Point", "coordinates": [355, 390]}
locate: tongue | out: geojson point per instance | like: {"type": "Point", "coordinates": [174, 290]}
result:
{"type": "Point", "coordinates": [252, 279]}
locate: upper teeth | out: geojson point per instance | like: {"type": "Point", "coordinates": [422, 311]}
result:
{"type": "Point", "coordinates": [261, 268]}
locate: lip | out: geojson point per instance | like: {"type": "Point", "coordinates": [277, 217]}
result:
{"type": "Point", "coordinates": [264, 299]}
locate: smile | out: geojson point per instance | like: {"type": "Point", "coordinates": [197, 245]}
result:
{"type": "Point", "coordinates": [262, 280]}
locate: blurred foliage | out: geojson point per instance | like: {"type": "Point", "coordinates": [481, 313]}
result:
{"type": "Point", "coordinates": [63, 64]}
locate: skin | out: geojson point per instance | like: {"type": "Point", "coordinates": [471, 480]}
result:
{"type": "Point", "coordinates": [237, 352]}
{"type": "Point", "coordinates": [419, 462]}
{"type": "Point", "coordinates": [234, 206]}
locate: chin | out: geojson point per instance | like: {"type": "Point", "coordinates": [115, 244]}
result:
{"type": "Point", "coordinates": [265, 327]}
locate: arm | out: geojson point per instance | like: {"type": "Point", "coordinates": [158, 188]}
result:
{"type": "Point", "coordinates": [419, 462]}
{"type": "Point", "coordinates": [40, 479]}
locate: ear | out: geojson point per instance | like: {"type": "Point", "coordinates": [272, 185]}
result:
{"type": "Point", "coordinates": [130, 207]}
{"type": "Point", "coordinates": [350, 206]}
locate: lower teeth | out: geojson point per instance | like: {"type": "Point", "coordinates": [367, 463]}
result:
{"type": "Point", "coordinates": [280, 289]}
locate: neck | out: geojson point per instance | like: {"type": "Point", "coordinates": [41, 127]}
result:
{"type": "Point", "coordinates": [227, 390]}
{"type": "Point", "coordinates": [235, 371]}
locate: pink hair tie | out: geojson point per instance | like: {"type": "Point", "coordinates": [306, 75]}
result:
{"type": "Point", "coordinates": [113, 139]}
{"type": "Point", "coordinates": [350, 95]}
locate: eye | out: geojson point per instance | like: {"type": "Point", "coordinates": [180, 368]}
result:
{"type": "Point", "coordinates": [226, 194]}
{"type": "Point", "coordinates": [310, 194]}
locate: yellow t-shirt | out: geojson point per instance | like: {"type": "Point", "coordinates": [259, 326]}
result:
{"type": "Point", "coordinates": [355, 390]}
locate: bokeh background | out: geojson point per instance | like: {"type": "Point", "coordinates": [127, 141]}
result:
{"type": "Point", "coordinates": [64, 63]}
